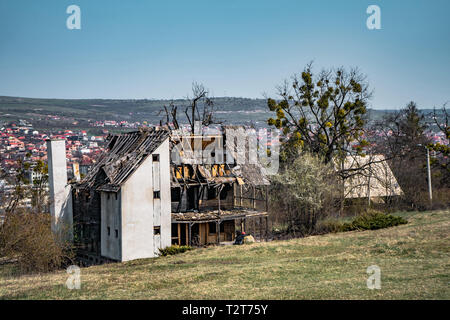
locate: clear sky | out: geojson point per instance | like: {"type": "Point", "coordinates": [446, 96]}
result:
{"type": "Point", "coordinates": [156, 49]}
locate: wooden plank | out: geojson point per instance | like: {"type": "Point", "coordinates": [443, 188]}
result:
{"type": "Point", "coordinates": [190, 234]}
{"type": "Point", "coordinates": [260, 229]}
{"type": "Point", "coordinates": [267, 227]}
{"type": "Point", "coordinates": [240, 195]}
{"type": "Point", "coordinates": [187, 234]}
{"type": "Point", "coordinates": [267, 198]}
{"type": "Point", "coordinates": [218, 231]}
{"type": "Point", "coordinates": [179, 234]}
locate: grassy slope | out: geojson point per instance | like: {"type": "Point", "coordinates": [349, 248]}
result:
{"type": "Point", "coordinates": [414, 262]}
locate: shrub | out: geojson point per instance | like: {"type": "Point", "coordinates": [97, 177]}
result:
{"type": "Point", "coordinates": [328, 226]}
{"type": "Point", "coordinates": [27, 238]}
{"type": "Point", "coordinates": [299, 192]}
{"type": "Point", "coordinates": [372, 220]}
{"type": "Point", "coordinates": [174, 249]}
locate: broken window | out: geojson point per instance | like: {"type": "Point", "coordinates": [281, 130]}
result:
{"type": "Point", "coordinates": [156, 194]}
{"type": "Point", "coordinates": [175, 194]}
{"type": "Point", "coordinates": [155, 157]}
{"type": "Point", "coordinates": [192, 198]}
{"type": "Point", "coordinates": [156, 230]}
{"type": "Point", "coordinates": [224, 193]}
{"type": "Point", "coordinates": [212, 227]}
{"type": "Point", "coordinates": [117, 233]}
{"type": "Point", "coordinates": [212, 193]}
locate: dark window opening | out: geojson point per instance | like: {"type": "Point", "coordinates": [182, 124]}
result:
{"type": "Point", "coordinates": [192, 199]}
{"type": "Point", "coordinates": [155, 157]}
{"type": "Point", "coordinates": [156, 230]}
{"type": "Point", "coordinates": [109, 231]}
{"type": "Point", "coordinates": [224, 192]}
{"type": "Point", "coordinates": [212, 227]}
{"type": "Point", "coordinates": [109, 195]}
{"type": "Point", "coordinates": [175, 194]}
{"type": "Point", "coordinates": [222, 229]}
{"type": "Point", "coordinates": [156, 194]}
{"type": "Point", "coordinates": [212, 193]}
{"type": "Point", "coordinates": [117, 233]}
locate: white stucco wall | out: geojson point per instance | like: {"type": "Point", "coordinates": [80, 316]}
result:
{"type": "Point", "coordinates": [137, 218]}
{"type": "Point", "coordinates": [166, 210]}
{"type": "Point", "coordinates": [110, 218]}
{"type": "Point", "coordinates": [59, 189]}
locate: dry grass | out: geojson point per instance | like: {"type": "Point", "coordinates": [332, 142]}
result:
{"type": "Point", "coordinates": [414, 262]}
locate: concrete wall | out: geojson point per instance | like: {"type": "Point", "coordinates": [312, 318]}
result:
{"type": "Point", "coordinates": [60, 192]}
{"type": "Point", "coordinates": [166, 210]}
{"type": "Point", "coordinates": [110, 229]}
{"type": "Point", "coordinates": [138, 209]}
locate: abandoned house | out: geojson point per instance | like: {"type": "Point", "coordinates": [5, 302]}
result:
{"type": "Point", "coordinates": [136, 200]}
{"type": "Point", "coordinates": [371, 179]}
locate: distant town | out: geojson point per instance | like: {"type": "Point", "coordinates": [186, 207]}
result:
{"type": "Point", "coordinates": [19, 140]}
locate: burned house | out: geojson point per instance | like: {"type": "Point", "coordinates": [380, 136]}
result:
{"type": "Point", "coordinates": [136, 199]}
{"type": "Point", "coordinates": [121, 209]}
{"type": "Point", "coordinates": [212, 201]}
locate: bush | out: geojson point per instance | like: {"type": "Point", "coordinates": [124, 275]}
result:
{"type": "Point", "coordinates": [27, 238]}
{"type": "Point", "coordinates": [174, 249]}
{"type": "Point", "coordinates": [372, 220]}
{"type": "Point", "coordinates": [328, 226]}
{"type": "Point", "coordinates": [299, 193]}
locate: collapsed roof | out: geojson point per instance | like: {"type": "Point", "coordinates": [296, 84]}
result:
{"type": "Point", "coordinates": [126, 152]}
{"type": "Point", "coordinates": [245, 173]}
{"type": "Point", "coordinates": [216, 215]}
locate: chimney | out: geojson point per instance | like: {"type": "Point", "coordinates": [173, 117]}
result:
{"type": "Point", "coordinates": [76, 171]}
{"type": "Point", "coordinates": [60, 190]}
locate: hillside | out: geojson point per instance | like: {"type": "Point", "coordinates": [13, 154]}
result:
{"type": "Point", "coordinates": [229, 110]}
{"type": "Point", "coordinates": [414, 261]}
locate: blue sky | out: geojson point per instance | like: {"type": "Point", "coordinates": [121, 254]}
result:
{"type": "Point", "coordinates": [244, 48]}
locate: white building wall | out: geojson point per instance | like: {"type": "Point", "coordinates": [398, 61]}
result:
{"type": "Point", "coordinates": [60, 191]}
{"type": "Point", "coordinates": [138, 208]}
{"type": "Point", "coordinates": [164, 180]}
{"type": "Point", "coordinates": [137, 214]}
{"type": "Point", "coordinates": [110, 229]}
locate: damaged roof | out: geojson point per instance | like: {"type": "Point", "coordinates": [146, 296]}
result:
{"type": "Point", "coordinates": [252, 173]}
{"type": "Point", "coordinates": [216, 215]}
{"type": "Point", "coordinates": [126, 152]}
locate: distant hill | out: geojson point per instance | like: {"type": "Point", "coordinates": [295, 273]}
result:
{"type": "Point", "coordinates": [240, 109]}
{"type": "Point", "coordinates": [228, 109]}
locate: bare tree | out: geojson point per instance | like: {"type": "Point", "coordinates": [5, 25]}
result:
{"type": "Point", "coordinates": [442, 150]}
{"type": "Point", "coordinates": [200, 109]}
{"type": "Point", "coordinates": [402, 140]}
{"type": "Point", "coordinates": [171, 115]}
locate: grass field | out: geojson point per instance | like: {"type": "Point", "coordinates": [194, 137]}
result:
{"type": "Point", "coordinates": [414, 261]}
